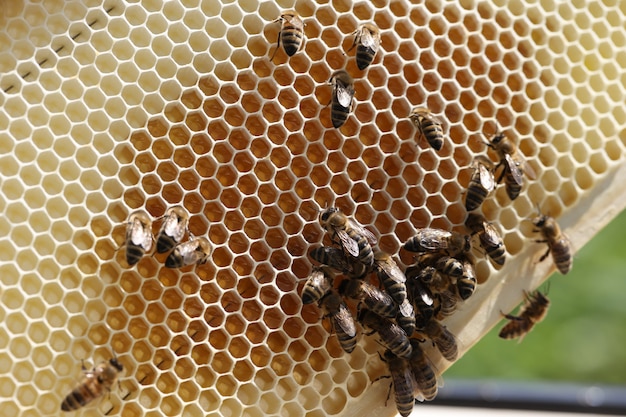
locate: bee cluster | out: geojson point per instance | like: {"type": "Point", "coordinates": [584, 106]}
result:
{"type": "Point", "coordinates": [174, 226]}
{"type": "Point", "coordinates": [401, 310]}
{"type": "Point", "coordinates": [406, 308]}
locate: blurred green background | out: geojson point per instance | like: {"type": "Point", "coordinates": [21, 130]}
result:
{"type": "Point", "coordinates": [583, 337]}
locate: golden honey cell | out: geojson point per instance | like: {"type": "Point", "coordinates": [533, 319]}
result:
{"type": "Point", "coordinates": [110, 108]}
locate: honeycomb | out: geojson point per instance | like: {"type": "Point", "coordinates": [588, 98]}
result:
{"type": "Point", "coordinates": [108, 107]}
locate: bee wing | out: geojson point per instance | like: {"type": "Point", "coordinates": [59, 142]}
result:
{"type": "Point", "coordinates": [349, 245]}
{"type": "Point", "coordinates": [491, 235]}
{"type": "Point", "coordinates": [369, 40]}
{"type": "Point", "coordinates": [174, 229]}
{"type": "Point", "coordinates": [392, 270]}
{"type": "Point", "coordinates": [425, 296]}
{"type": "Point", "coordinates": [528, 170]}
{"type": "Point", "coordinates": [406, 308]}
{"type": "Point", "coordinates": [316, 278]}
{"type": "Point", "coordinates": [295, 21]}
{"type": "Point", "coordinates": [433, 118]}
{"type": "Point", "coordinates": [344, 95]}
{"type": "Point", "coordinates": [514, 168]}
{"type": "Point", "coordinates": [371, 238]}
{"type": "Point", "coordinates": [191, 252]}
{"type": "Point", "coordinates": [374, 293]}
{"type": "Point", "coordinates": [140, 236]}
{"type": "Point", "coordinates": [343, 318]}
{"type": "Point", "coordinates": [432, 239]}
{"type": "Point", "coordinates": [487, 179]}
{"type": "Point", "coordinates": [333, 257]}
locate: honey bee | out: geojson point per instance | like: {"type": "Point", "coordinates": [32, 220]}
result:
{"type": "Point", "coordinates": [490, 239]}
{"type": "Point", "coordinates": [373, 298]}
{"type": "Point", "coordinates": [422, 299]}
{"type": "Point", "coordinates": [291, 33]}
{"type": "Point", "coordinates": [138, 236]}
{"type": "Point", "coordinates": [533, 311]}
{"type": "Point", "coordinates": [406, 321]}
{"type": "Point", "coordinates": [481, 184]}
{"type": "Point", "coordinates": [316, 286]}
{"type": "Point", "coordinates": [391, 276]}
{"type": "Point", "coordinates": [450, 266]}
{"type": "Point", "coordinates": [428, 275]}
{"type": "Point", "coordinates": [353, 238]}
{"type": "Point", "coordinates": [424, 274]}
{"type": "Point", "coordinates": [172, 229]}
{"type": "Point", "coordinates": [367, 42]}
{"type": "Point", "coordinates": [429, 126]}
{"type": "Point", "coordinates": [342, 97]}
{"type": "Point", "coordinates": [341, 319]}
{"type": "Point", "coordinates": [423, 373]}
{"type": "Point", "coordinates": [337, 259]}
{"type": "Point", "coordinates": [93, 385]}
{"type": "Point", "coordinates": [558, 242]}
{"type": "Point", "coordinates": [443, 264]}
{"type": "Point", "coordinates": [195, 251]}
{"type": "Point", "coordinates": [514, 164]}
{"type": "Point", "coordinates": [466, 284]}
{"type": "Point", "coordinates": [391, 335]}
{"type": "Point", "coordinates": [439, 241]}
{"type": "Point", "coordinates": [442, 338]}
{"type": "Point", "coordinates": [447, 302]}
{"type": "Point", "coordinates": [402, 382]}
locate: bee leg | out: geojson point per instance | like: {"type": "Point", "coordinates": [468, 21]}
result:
{"type": "Point", "coordinates": [82, 365]}
{"type": "Point", "coordinates": [388, 393]}
{"type": "Point", "coordinates": [277, 45]}
{"type": "Point", "coordinates": [381, 377]}
{"type": "Point", "coordinates": [356, 39]}
{"type": "Point", "coordinates": [512, 317]}
{"type": "Point", "coordinates": [501, 173]}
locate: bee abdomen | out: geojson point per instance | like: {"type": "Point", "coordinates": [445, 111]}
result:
{"type": "Point", "coordinates": [364, 56]}
{"type": "Point", "coordinates": [448, 349]}
{"type": "Point", "coordinates": [339, 114]}
{"type": "Point", "coordinates": [404, 402]}
{"type": "Point", "coordinates": [165, 243]}
{"type": "Point", "coordinates": [514, 329]}
{"type": "Point", "coordinates": [407, 323]}
{"type": "Point", "coordinates": [513, 188]}
{"type": "Point", "coordinates": [366, 254]}
{"type": "Point", "coordinates": [433, 134]}
{"type": "Point", "coordinates": [173, 262]}
{"type": "Point", "coordinates": [134, 254]}
{"type": "Point", "coordinates": [466, 287]}
{"type": "Point", "coordinates": [78, 398]}
{"type": "Point", "coordinates": [475, 197]}
{"type": "Point", "coordinates": [347, 342]}
{"type": "Point", "coordinates": [449, 266]}
{"type": "Point", "coordinates": [497, 254]}
{"type": "Point", "coordinates": [562, 257]}
{"type": "Point", "coordinates": [397, 342]}
{"type": "Point", "coordinates": [292, 39]}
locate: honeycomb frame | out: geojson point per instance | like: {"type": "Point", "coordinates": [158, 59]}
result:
{"type": "Point", "coordinates": [107, 107]}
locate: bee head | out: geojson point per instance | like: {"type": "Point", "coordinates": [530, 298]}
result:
{"type": "Point", "coordinates": [327, 213]}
